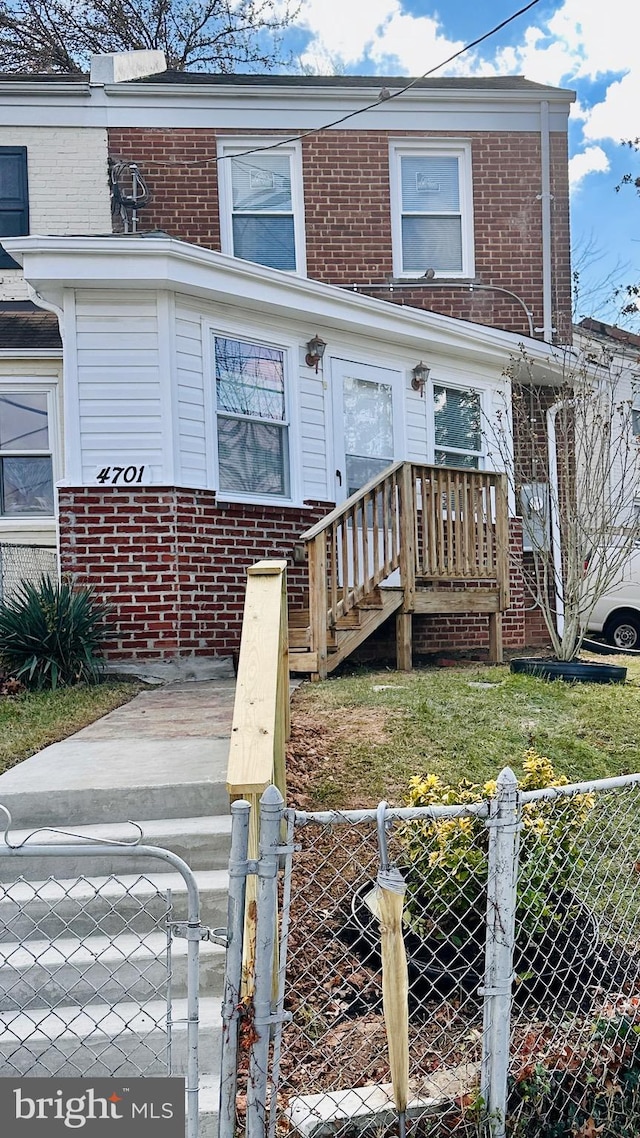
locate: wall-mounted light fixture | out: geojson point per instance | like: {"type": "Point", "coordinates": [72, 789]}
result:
{"type": "Point", "coordinates": [315, 351]}
{"type": "Point", "coordinates": [419, 377]}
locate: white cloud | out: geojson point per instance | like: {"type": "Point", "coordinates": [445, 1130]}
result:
{"type": "Point", "coordinates": [617, 115]}
{"type": "Point", "coordinates": [593, 160]}
{"type": "Point", "coordinates": [344, 32]}
{"type": "Point", "coordinates": [579, 41]}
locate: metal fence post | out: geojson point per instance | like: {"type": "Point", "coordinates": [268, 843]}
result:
{"type": "Point", "coordinates": [233, 967]}
{"type": "Point", "coordinates": [271, 812]}
{"type": "Point", "coordinates": [504, 839]}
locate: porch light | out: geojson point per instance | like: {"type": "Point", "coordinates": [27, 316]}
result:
{"type": "Point", "coordinates": [419, 377]}
{"type": "Point", "coordinates": [315, 351]}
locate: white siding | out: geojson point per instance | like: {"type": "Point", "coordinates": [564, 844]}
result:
{"type": "Point", "coordinates": [417, 428]}
{"type": "Point", "coordinates": [312, 427]}
{"type": "Point", "coordinates": [190, 400]}
{"type": "Point", "coordinates": [119, 396]}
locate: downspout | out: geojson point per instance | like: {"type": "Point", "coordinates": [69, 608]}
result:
{"type": "Point", "coordinates": [556, 548]}
{"type": "Point", "coordinates": [545, 201]}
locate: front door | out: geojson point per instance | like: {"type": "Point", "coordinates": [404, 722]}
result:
{"type": "Point", "coordinates": [368, 438]}
{"type": "Point", "coordinates": [368, 433]}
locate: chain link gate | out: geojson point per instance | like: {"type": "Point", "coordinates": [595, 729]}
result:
{"type": "Point", "coordinates": [97, 976]}
{"type": "Point", "coordinates": [523, 1020]}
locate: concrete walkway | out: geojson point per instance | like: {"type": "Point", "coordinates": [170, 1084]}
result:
{"type": "Point", "coordinates": [163, 755]}
{"type": "Point", "coordinates": [161, 761]}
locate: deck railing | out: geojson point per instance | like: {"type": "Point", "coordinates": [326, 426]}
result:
{"type": "Point", "coordinates": [411, 523]}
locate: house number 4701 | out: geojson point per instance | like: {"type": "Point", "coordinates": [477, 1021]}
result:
{"type": "Point", "coordinates": [121, 475]}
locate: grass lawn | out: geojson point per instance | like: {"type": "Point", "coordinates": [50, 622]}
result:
{"type": "Point", "coordinates": [33, 720]}
{"type": "Point", "coordinates": [358, 739]}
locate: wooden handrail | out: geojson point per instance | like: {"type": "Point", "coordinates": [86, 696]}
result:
{"type": "Point", "coordinates": [261, 710]}
{"type": "Point", "coordinates": [430, 523]}
{"type": "Point", "coordinates": [260, 726]}
{"type": "Point", "coordinates": [354, 500]}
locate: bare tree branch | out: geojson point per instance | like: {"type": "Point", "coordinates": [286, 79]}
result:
{"type": "Point", "coordinates": [569, 448]}
{"type": "Point", "coordinates": [60, 36]}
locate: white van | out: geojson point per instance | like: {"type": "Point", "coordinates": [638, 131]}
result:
{"type": "Point", "coordinates": [616, 616]}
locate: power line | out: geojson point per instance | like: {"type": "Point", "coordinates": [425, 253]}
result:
{"type": "Point", "coordinates": [361, 110]}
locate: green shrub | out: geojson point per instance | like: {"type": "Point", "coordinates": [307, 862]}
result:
{"type": "Point", "coordinates": [447, 858]}
{"type": "Point", "coordinates": [50, 634]}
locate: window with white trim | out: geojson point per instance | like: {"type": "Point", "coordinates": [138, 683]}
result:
{"type": "Point", "coordinates": [457, 418]}
{"type": "Point", "coordinates": [432, 209]}
{"type": "Point", "coordinates": [261, 205]}
{"type": "Point", "coordinates": [26, 474]}
{"type": "Point", "coordinates": [252, 420]}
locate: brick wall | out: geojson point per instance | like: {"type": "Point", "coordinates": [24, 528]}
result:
{"type": "Point", "coordinates": [68, 186]}
{"type": "Point", "coordinates": [348, 225]}
{"type": "Point", "coordinates": [173, 563]}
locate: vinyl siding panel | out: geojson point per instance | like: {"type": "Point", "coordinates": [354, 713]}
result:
{"type": "Point", "coordinates": [119, 383]}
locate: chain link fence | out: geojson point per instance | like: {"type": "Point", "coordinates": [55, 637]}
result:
{"type": "Point", "coordinates": [100, 975]}
{"type": "Point", "coordinates": [20, 563]}
{"type": "Point", "coordinates": [522, 934]}
{"type": "Point", "coordinates": [84, 977]}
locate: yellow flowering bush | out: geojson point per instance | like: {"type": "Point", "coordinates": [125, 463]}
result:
{"type": "Point", "coordinates": [446, 858]}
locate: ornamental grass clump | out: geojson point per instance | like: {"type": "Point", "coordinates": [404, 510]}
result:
{"type": "Point", "coordinates": [447, 858]}
{"type": "Point", "coordinates": [50, 634]}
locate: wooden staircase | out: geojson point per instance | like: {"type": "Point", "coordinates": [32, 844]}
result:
{"type": "Point", "coordinates": [416, 539]}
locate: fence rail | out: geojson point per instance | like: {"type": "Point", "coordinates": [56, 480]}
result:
{"type": "Point", "coordinates": [522, 931]}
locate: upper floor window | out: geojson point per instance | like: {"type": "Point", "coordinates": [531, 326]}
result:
{"type": "Point", "coordinates": [253, 426]}
{"type": "Point", "coordinates": [26, 477]}
{"type": "Point", "coordinates": [432, 209]}
{"type": "Point", "coordinates": [457, 419]}
{"type": "Point", "coordinates": [261, 204]}
{"type": "Point", "coordinates": [14, 198]}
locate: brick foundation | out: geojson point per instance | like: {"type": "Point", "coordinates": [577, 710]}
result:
{"type": "Point", "coordinates": [172, 563]}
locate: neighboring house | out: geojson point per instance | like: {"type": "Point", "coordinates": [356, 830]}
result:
{"type": "Point", "coordinates": [202, 429]}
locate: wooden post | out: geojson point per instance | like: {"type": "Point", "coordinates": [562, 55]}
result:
{"type": "Point", "coordinates": [404, 619]}
{"type": "Point", "coordinates": [260, 715]}
{"type": "Point", "coordinates": [496, 654]}
{"type": "Point", "coordinates": [318, 600]}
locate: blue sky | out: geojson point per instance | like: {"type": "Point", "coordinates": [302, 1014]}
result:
{"type": "Point", "coordinates": [588, 47]}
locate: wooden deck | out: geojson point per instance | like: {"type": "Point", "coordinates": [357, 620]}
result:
{"type": "Point", "coordinates": [416, 539]}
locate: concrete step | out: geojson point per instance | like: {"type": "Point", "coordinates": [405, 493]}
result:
{"type": "Point", "coordinates": [202, 842]}
{"type": "Point", "coordinates": [83, 906]}
{"type": "Point", "coordinates": [109, 969]}
{"type": "Point", "coordinates": [102, 1040]}
{"type": "Point", "coordinates": [192, 786]}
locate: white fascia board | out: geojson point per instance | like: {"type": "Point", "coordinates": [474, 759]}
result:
{"type": "Point", "coordinates": [260, 108]}
{"type": "Point", "coordinates": [52, 264]}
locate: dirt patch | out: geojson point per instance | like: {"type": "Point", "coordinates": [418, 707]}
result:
{"type": "Point", "coordinates": [318, 753]}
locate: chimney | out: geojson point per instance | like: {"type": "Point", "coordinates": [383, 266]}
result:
{"type": "Point", "coordinates": [120, 66]}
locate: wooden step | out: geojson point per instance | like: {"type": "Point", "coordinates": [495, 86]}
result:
{"type": "Point", "coordinates": [299, 637]}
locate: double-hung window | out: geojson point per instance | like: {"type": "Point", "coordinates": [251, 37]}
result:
{"type": "Point", "coordinates": [26, 477]}
{"type": "Point", "coordinates": [261, 204]}
{"type": "Point", "coordinates": [252, 422]}
{"type": "Point", "coordinates": [14, 198]}
{"type": "Point", "coordinates": [457, 417]}
{"type": "Point", "coordinates": [432, 209]}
